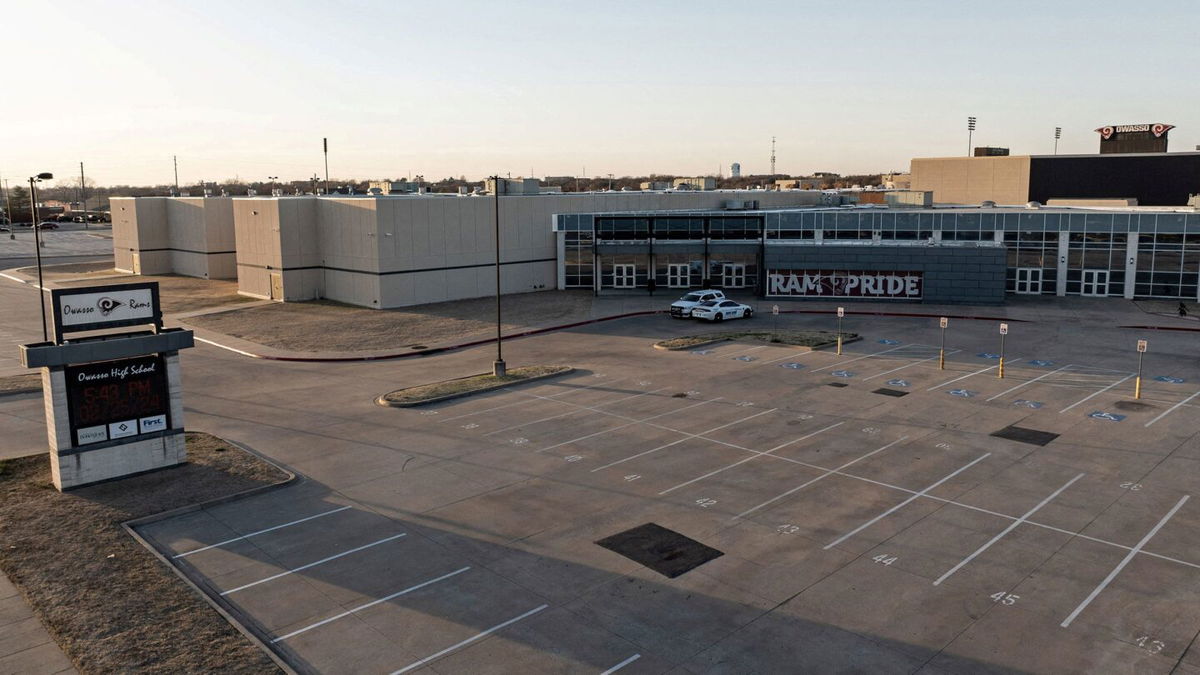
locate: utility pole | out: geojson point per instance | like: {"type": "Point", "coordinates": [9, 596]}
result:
{"type": "Point", "coordinates": [325, 143]}
{"type": "Point", "coordinates": [772, 155]}
{"type": "Point", "coordinates": [175, 160]}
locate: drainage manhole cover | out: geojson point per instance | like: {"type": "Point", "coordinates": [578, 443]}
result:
{"type": "Point", "coordinates": [664, 551]}
{"type": "Point", "coordinates": [1023, 435]}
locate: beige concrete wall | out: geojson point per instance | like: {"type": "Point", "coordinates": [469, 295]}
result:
{"type": "Point", "coordinates": [175, 235]}
{"type": "Point", "coordinates": [124, 232]}
{"type": "Point", "coordinates": [971, 180]}
{"type": "Point", "coordinates": [397, 251]}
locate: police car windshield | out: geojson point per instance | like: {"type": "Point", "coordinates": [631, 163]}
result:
{"type": "Point", "coordinates": [693, 297]}
{"type": "Point", "coordinates": [709, 303]}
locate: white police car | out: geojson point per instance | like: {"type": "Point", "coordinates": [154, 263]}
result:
{"type": "Point", "coordinates": [719, 310]}
{"type": "Point", "coordinates": [682, 308]}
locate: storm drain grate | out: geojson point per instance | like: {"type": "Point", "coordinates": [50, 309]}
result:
{"type": "Point", "coordinates": [891, 392]}
{"type": "Point", "coordinates": [664, 551]}
{"type": "Point", "coordinates": [1023, 435]}
{"type": "Point", "coordinates": [837, 384]}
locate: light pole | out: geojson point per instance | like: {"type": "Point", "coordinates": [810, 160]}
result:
{"type": "Point", "coordinates": [37, 244]}
{"type": "Point", "coordinates": [970, 132]}
{"type": "Point", "coordinates": [1057, 135]}
{"type": "Point", "coordinates": [272, 179]}
{"type": "Point", "coordinates": [8, 211]}
{"type": "Point", "coordinates": [498, 368]}
{"type": "Point", "coordinates": [325, 144]}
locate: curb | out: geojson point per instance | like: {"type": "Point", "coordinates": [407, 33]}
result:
{"type": "Point", "coordinates": [382, 400]}
{"type": "Point", "coordinates": [697, 345]}
{"type": "Point", "coordinates": [1180, 328]}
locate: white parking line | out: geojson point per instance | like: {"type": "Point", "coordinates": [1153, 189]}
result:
{"type": "Point", "coordinates": [551, 396]}
{"type": "Point", "coordinates": [574, 412]}
{"type": "Point", "coordinates": [908, 365]}
{"type": "Point", "coordinates": [1117, 570]}
{"type": "Point", "coordinates": [752, 349]}
{"type": "Point", "coordinates": [1090, 396]}
{"type": "Point", "coordinates": [1011, 526]}
{"type": "Point", "coordinates": [981, 370]}
{"type": "Point", "coordinates": [1172, 409]}
{"type": "Point", "coordinates": [313, 564]}
{"type": "Point", "coordinates": [347, 613]}
{"type": "Point", "coordinates": [842, 363]}
{"type": "Point", "coordinates": [1029, 382]}
{"type": "Point", "coordinates": [902, 504]}
{"type": "Point", "coordinates": [255, 534]}
{"type": "Point", "coordinates": [622, 664]}
{"type": "Point", "coordinates": [447, 650]}
{"type": "Point", "coordinates": [790, 355]}
{"type": "Point", "coordinates": [751, 458]}
{"type": "Point", "coordinates": [629, 424]}
{"type": "Point", "coordinates": [828, 472]}
{"type": "Point", "coordinates": [686, 437]}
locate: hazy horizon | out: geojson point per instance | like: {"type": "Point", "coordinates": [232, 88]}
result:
{"type": "Point", "coordinates": [526, 89]}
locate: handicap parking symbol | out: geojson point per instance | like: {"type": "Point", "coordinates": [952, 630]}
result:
{"type": "Point", "coordinates": [898, 383]}
{"type": "Point", "coordinates": [1028, 404]}
{"type": "Point", "coordinates": [962, 393]}
{"type": "Point", "coordinates": [793, 366]}
{"type": "Point", "coordinates": [1040, 363]}
{"type": "Point", "coordinates": [842, 373]}
{"type": "Point", "coordinates": [702, 352]}
{"type": "Point", "coordinates": [987, 355]}
{"type": "Point", "coordinates": [1169, 380]}
{"type": "Point", "coordinates": [1101, 415]}
{"type": "Point", "coordinates": [886, 341]}
{"type": "Point", "coordinates": [743, 358]}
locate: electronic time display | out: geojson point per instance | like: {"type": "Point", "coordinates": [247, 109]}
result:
{"type": "Point", "coordinates": [110, 400]}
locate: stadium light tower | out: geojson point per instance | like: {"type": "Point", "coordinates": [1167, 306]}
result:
{"type": "Point", "coordinates": [970, 132]}
{"type": "Point", "coordinates": [1057, 135]}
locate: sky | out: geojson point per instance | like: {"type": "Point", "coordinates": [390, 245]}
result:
{"type": "Point", "coordinates": [248, 89]}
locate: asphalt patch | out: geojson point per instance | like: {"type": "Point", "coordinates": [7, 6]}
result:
{"type": "Point", "coordinates": [891, 392]}
{"type": "Point", "coordinates": [837, 384]}
{"type": "Point", "coordinates": [1134, 406]}
{"type": "Point", "coordinates": [1023, 435]}
{"type": "Point", "coordinates": [664, 551]}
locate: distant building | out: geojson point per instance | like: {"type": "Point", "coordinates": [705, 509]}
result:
{"type": "Point", "coordinates": [697, 183]}
{"type": "Point", "coordinates": [896, 181]}
{"type": "Point", "coordinates": [392, 187]}
{"type": "Point", "coordinates": [799, 183]}
{"type": "Point", "coordinates": [654, 185]}
{"type": "Point", "coordinates": [735, 170]}
{"type": "Point", "coordinates": [989, 151]}
{"type": "Point", "coordinates": [514, 186]}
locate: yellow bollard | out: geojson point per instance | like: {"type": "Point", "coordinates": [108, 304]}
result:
{"type": "Point", "coordinates": [1137, 387]}
{"type": "Point", "coordinates": [1000, 373]}
{"type": "Point", "coordinates": [839, 350]}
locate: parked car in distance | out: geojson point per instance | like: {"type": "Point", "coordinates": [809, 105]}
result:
{"type": "Point", "coordinates": [682, 308]}
{"type": "Point", "coordinates": [48, 225]}
{"type": "Point", "coordinates": [719, 310]}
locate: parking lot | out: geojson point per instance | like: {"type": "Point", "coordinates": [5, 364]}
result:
{"type": "Point", "coordinates": [867, 515]}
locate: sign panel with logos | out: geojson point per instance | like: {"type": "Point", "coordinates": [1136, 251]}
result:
{"type": "Point", "coordinates": [1141, 346]}
{"type": "Point", "coordinates": [845, 284]}
{"type": "Point", "coordinates": [108, 400]}
{"type": "Point", "coordinates": [99, 307]}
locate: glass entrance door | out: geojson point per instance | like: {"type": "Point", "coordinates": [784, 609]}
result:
{"type": "Point", "coordinates": [1029, 280]}
{"type": "Point", "coordinates": [679, 276]}
{"type": "Point", "coordinates": [1095, 282]}
{"type": "Point", "coordinates": [733, 276]}
{"type": "Point", "coordinates": [624, 276]}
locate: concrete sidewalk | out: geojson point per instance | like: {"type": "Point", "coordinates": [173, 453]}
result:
{"type": "Point", "coordinates": [25, 646]}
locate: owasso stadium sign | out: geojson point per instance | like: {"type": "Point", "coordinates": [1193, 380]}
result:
{"type": "Point", "coordinates": [844, 284]}
{"type": "Point", "coordinates": [1158, 129]}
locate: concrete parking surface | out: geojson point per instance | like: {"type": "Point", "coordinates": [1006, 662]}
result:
{"type": "Point", "coordinates": [868, 518]}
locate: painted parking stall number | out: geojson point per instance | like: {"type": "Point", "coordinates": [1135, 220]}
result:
{"type": "Point", "coordinates": [792, 366]}
{"type": "Point", "coordinates": [1023, 403]}
{"type": "Point", "coordinates": [632, 477]}
{"type": "Point", "coordinates": [573, 458]}
{"type": "Point", "coordinates": [519, 441]}
{"type": "Point", "coordinates": [1133, 487]}
{"type": "Point", "coordinates": [788, 529]}
{"type": "Point", "coordinates": [1150, 644]}
{"type": "Point", "coordinates": [743, 358]}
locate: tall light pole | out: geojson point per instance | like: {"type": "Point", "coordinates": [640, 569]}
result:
{"type": "Point", "coordinates": [37, 244]}
{"type": "Point", "coordinates": [272, 179]}
{"type": "Point", "coordinates": [1057, 135]}
{"type": "Point", "coordinates": [970, 132]}
{"type": "Point", "coordinates": [325, 144]}
{"type": "Point", "coordinates": [175, 161]}
{"type": "Point", "coordinates": [498, 368]}
{"type": "Point", "coordinates": [8, 211]}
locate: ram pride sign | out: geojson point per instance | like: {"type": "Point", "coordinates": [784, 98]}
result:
{"type": "Point", "coordinates": [101, 307]}
{"type": "Point", "coordinates": [844, 284]}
